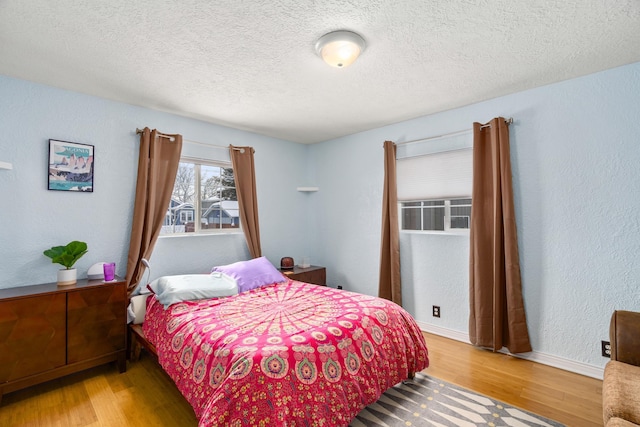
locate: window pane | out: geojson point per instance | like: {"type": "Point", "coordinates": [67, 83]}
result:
{"type": "Point", "coordinates": [184, 187]}
{"type": "Point", "coordinates": [228, 184]}
{"type": "Point", "coordinates": [219, 204]}
{"type": "Point", "coordinates": [182, 198]}
{"type": "Point", "coordinates": [406, 204]}
{"type": "Point", "coordinates": [410, 219]}
{"type": "Point", "coordinates": [210, 190]}
{"type": "Point", "coordinates": [434, 203]}
{"type": "Point", "coordinates": [216, 195]}
{"type": "Point", "coordinates": [461, 214]}
{"type": "Point", "coordinates": [433, 218]}
{"type": "Point", "coordinates": [460, 222]}
{"type": "Point", "coordinates": [460, 210]}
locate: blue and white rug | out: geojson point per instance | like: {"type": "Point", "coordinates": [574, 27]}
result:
{"type": "Point", "coordinates": [428, 401]}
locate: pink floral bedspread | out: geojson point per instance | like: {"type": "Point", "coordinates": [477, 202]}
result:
{"type": "Point", "coordinates": [288, 354]}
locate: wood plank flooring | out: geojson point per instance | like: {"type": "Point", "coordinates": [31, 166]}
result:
{"type": "Point", "coordinates": [145, 396]}
{"type": "Point", "coordinates": [572, 399]}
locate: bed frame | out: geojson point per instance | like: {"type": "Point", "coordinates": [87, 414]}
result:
{"type": "Point", "coordinates": [137, 341]}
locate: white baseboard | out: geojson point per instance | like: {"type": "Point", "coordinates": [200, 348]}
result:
{"type": "Point", "coordinates": [534, 356]}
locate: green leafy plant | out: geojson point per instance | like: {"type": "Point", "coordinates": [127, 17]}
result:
{"type": "Point", "coordinates": [67, 255]}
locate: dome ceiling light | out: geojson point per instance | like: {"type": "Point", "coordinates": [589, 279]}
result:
{"type": "Point", "coordinates": [340, 48]}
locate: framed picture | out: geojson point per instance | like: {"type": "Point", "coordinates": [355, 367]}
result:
{"type": "Point", "coordinates": [70, 166]}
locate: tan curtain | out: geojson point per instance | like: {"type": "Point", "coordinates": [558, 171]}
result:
{"type": "Point", "coordinates": [390, 285]}
{"type": "Point", "coordinates": [497, 316]}
{"type": "Point", "coordinates": [245, 177]}
{"type": "Point", "coordinates": [157, 168]}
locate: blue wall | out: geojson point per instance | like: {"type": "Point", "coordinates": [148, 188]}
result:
{"type": "Point", "coordinates": [575, 149]}
{"type": "Point", "coordinates": [575, 155]}
{"type": "Point", "coordinates": [34, 219]}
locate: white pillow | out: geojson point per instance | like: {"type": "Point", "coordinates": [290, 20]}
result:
{"type": "Point", "coordinates": [189, 287]}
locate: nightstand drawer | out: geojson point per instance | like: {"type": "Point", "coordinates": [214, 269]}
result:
{"type": "Point", "coordinates": [313, 274]}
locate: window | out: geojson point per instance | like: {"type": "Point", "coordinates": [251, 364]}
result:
{"type": "Point", "coordinates": [208, 189]}
{"type": "Point", "coordinates": [435, 215]}
{"type": "Point", "coordinates": [186, 216]}
{"type": "Point", "coordinates": [460, 214]}
{"type": "Point", "coordinates": [434, 178]}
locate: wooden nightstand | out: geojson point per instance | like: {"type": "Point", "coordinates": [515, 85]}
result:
{"type": "Point", "coordinates": [312, 274]}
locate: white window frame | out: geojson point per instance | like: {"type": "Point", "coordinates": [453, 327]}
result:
{"type": "Point", "coordinates": [447, 216]}
{"type": "Point", "coordinates": [435, 169]}
{"type": "Point", "coordinates": [197, 202]}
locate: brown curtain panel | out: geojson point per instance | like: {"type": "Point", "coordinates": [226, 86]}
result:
{"type": "Point", "coordinates": [245, 177]}
{"type": "Point", "coordinates": [497, 316]}
{"type": "Point", "coordinates": [390, 286]}
{"type": "Point", "coordinates": [157, 168]}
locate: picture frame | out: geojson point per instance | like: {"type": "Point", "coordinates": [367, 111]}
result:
{"type": "Point", "coordinates": [71, 166]}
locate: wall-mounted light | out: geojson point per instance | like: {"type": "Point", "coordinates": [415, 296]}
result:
{"type": "Point", "coordinates": [340, 48]}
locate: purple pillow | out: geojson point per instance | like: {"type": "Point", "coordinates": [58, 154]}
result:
{"type": "Point", "coordinates": [251, 274]}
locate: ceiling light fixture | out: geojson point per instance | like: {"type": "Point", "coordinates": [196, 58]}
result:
{"type": "Point", "coordinates": [340, 48]}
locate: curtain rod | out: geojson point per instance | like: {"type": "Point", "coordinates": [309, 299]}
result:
{"type": "Point", "coordinates": [171, 137]}
{"type": "Point", "coordinates": [460, 132]}
{"type": "Point", "coordinates": [139, 131]}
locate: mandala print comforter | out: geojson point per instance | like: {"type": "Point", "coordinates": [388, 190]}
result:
{"type": "Point", "coordinates": [287, 354]}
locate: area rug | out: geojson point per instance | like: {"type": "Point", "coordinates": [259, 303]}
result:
{"type": "Point", "coordinates": [429, 401]}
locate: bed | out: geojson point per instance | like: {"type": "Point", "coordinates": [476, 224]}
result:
{"type": "Point", "coordinates": [283, 354]}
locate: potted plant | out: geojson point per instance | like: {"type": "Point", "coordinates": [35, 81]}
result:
{"type": "Point", "coordinates": [67, 257]}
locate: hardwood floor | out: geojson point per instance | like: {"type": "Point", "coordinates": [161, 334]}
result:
{"type": "Point", "coordinates": [142, 396]}
{"type": "Point", "coordinates": [572, 399]}
{"type": "Point", "coordinates": [145, 396]}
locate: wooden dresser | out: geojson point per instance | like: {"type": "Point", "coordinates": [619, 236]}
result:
{"type": "Point", "coordinates": [48, 331]}
{"type": "Point", "coordinates": [312, 274]}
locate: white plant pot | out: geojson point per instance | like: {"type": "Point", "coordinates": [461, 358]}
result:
{"type": "Point", "coordinates": [67, 277]}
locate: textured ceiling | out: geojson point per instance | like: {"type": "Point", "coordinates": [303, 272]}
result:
{"type": "Point", "coordinates": [251, 65]}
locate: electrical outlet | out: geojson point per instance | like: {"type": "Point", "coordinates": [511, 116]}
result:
{"type": "Point", "coordinates": [436, 311]}
{"type": "Point", "coordinates": [606, 349]}
{"type": "Point", "coordinates": [339, 286]}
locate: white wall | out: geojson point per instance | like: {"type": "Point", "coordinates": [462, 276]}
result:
{"type": "Point", "coordinates": [575, 151]}
{"type": "Point", "coordinates": [33, 219]}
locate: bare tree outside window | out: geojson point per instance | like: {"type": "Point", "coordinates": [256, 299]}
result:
{"type": "Point", "coordinates": [183, 189]}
